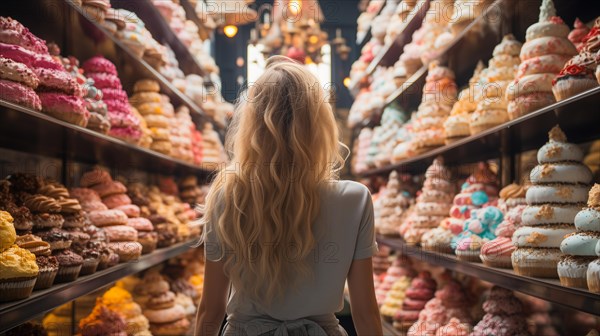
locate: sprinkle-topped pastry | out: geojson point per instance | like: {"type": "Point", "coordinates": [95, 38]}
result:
{"type": "Point", "coordinates": [560, 185]}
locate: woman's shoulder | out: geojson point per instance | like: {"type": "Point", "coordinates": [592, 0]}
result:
{"type": "Point", "coordinates": [347, 190]}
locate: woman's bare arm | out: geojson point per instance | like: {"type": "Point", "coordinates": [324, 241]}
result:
{"type": "Point", "coordinates": [365, 311]}
{"type": "Point", "coordinates": [211, 311]}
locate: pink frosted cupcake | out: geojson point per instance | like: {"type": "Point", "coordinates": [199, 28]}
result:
{"type": "Point", "coordinates": [577, 76]}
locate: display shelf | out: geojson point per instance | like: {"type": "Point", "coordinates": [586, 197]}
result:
{"type": "Point", "coordinates": [547, 289]}
{"type": "Point", "coordinates": [162, 32]}
{"type": "Point", "coordinates": [18, 312]}
{"type": "Point", "coordinates": [577, 116]}
{"type": "Point", "coordinates": [26, 130]}
{"type": "Point", "coordinates": [191, 14]}
{"type": "Point", "coordinates": [390, 52]}
{"type": "Point", "coordinates": [142, 68]}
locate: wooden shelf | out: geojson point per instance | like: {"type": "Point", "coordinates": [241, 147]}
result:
{"type": "Point", "coordinates": [18, 312]}
{"type": "Point", "coordinates": [547, 289]}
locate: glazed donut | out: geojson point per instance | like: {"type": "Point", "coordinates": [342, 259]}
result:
{"type": "Point", "coordinates": [150, 108]}
{"type": "Point", "coordinates": [84, 195]}
{"type": "Point", "coordinates": [117, 200]}
{"type": "Point", "coordinates": [546, 214]}
{"type": "Point", "coordinates": [109, 188]}
{"type": "Point", "coordinates": [165, 315]}
{"type": "Point", "coordinates": [144, 97]}
{"type": "Point", "coordinates": [557, 194]}
{"type": "Point", "coordinates": [160, 133]}
{"type": "Point", "coordinates": [131, 210]}
{"type": "Point", "coordinates": [541, 235]}
{"type": "Point", "coordinates": [140, 224]}
{"type": "Point", "coordinates": [161, 146]}
{"type": "Point", "coordinates": [106, 81]}
{"type": "Point", "coordinates": [93, 206]}
{"type": "Point", "coordinates": [176, 328]}
{"type": "Point", "coordinates": [127, 251]}
{"type": "Point", "coordinates": [156, 120]}
{"type": "Point", "coordinates": [94, 177]}
{"type": "Point", "coordinates": [561, 173]}
{"type": "Point", "coordinates": [120, 233]}
{"type": "Point", "coordinates": [162, 301]}
{"type": "Point", "coordinates": [146, 85]}
{"type": "Point", "coordinates": [107, 217]}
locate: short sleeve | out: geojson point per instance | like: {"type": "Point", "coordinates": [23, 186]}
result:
{"type": "Point", "coordinates": [366, 246]}
{"type": "Point", "coordinates": [213, 250]}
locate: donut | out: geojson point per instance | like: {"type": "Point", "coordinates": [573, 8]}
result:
{"type": "Point", "coordinates": [542, 64]}
{"type": "Point", "coordinates": [557, 194]}
{"type": "Point", "coordinates": [156, 120]}
{"type": "Point", "coordinates": [18, 72]}
{"type": "Point", "coordinates": [117, 200]}
{"type": "Point", "coordinates": [93, 177]}
{"type": "Point", "coordinates": [17, 54]}
{"type": "Point", "coordinates": [529, 84]}
{"type": "Point", "coordinates": [13, 32]}
{"type": "Point", "coordinates": [47, 62]}
{"type": "Point", "coordinates": [127, 251]}
{"type": "Point", "coordinates": [161, 146]}
{"type": "Point", "coordinates": [19, 94]}
{"type": "Point", "coordinates": [146, 85]}
{"type": "Point", "coordinates": [163, 301]}
{"type": "Point", "coordinates": [99, 64]}
{"type": "Point", "coordinates": [165, 315]}
{"type": "Point", "coordinates": [127, 134]}
{"type": "Point", "coordinates": [160, 133]}
{"type": "Point", "coordinates": [156, 287]}
{"type": "Point", "coordinates": [120, 233]}
{"type": "Point", "coordinates": [109, 188]}
{"type": "Point", "coordinates": [107, 217]}
{"type": "Point", "coordinates": [119, 119]}
{"type": "Point", "coordinates": [117, 106]}
{"type": "Point", "coordinates": [55, 80]}
{"type": "Point", "coordinates": [114, 94]}
{"type": "Point", "coordinates": [140, 224]}
{"type": "Point", "coordinates": [576, 173]}
{"type": "Point", "coordinates": [541, 235]}
{"type": "Point", "coordinates": [84, 195]}
{"type": "Point", "coordinates": [546, 46]}
{"type": "Point", "coordinates": [176, 328]}
{"type": "Point", "coordinates": [105, 81]}
{"type": "Point", "coordinates": [150, 108]}
{"type": "Point", "coordinates": [145, 97]}
{"type": "Point", "coordinates": [131, 210]}
{"type": "Point", "coordinates": [65, 107]}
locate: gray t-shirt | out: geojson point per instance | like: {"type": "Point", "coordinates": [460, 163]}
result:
{"type": "Point", "coordinates": [344, 232]}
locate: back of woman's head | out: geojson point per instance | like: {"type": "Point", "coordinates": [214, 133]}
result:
{"type": "Point", "coordinates": [284, 146]}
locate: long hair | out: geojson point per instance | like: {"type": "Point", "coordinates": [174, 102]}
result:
{"type": "Point", "coordinates": [283, 141]}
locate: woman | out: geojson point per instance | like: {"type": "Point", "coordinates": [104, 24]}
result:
{"type": "Point", "coordinates": [281, 234]}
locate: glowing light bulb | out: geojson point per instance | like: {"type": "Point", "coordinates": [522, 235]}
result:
{"type": "Point", "coordinates": [295, 6]}
{"type": "Point", "coordinates": [347, 82]}
{"type": "Point", "coordinates": [230, 31]}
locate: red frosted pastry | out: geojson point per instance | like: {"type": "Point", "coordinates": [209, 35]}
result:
{"type": "Point", "coordinates": [58, 81]}
{"type": "Point", "coordinates": [17, 54]}
{"type": "Point", "coordinates": [65, 107]}
{"type": "Point", "coordinates": [109, 188]}
{"type": "Point", "coordinates": [107, 218]}
{"type": "Point", "coordinates": [140, 224]}
{"type": "Point", "coordinates": [105, 81]}
{"type": "Point", "coordinates": [131, 210]}
{"type": "Point", "coordinates": [120, 233]}
{"type": "Point", "coordinates": [18, 72]}
{"type": "Point", "coordinates": [126, 134]}
{"type": "Point", "coordinates": [19, 94]}
{"type": "Point", "coordinates": [114, 201]}
{"type": "Point", "coordinates": [99, 64]}
{"type": "Point", "coordinates": [13, 32]}
{"type": "Point", "coordinates": [115, 94]}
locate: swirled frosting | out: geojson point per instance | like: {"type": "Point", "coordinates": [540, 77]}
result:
{"type": "Point", "coordinates": [41, 203]}
{"type": "Point", "coordinates": [54, 190]}
{"type": "Point", "coordinates": [69, 205]}
{"type": "Point", "coordinates": [578, 33]}
{"type": "Point", "coordinates": [513, 190]}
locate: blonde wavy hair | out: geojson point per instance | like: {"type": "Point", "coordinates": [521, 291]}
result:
{"type": "Point", "coordinates": [284, 145]}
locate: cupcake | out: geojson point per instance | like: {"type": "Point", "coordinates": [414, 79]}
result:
{"type": "Point", "coordinates": [421, 290]}
{"type": "Point", "coordinates": [579, 247]}
{"type": "Point", "coordinates": [394, 298]}
{"type": "Point", "coordinates": [103, 321]}
{"type": "Point", "coordinates": [392, 206]}
{"type": "Point", "coordinates": [497, 253]}
{"type": "Point", "coordinates": [18, 273]}
{"type": "Point", "coordinates": [560, 185]}
{"type": "Point", "coordinates": [579, 73]}
{"type": "Point", "coordinates": [47, 264]}
{"type": "Point", "coordinates": [69, 267]}
{"type": "Point", "coordinates": [478, 230]}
